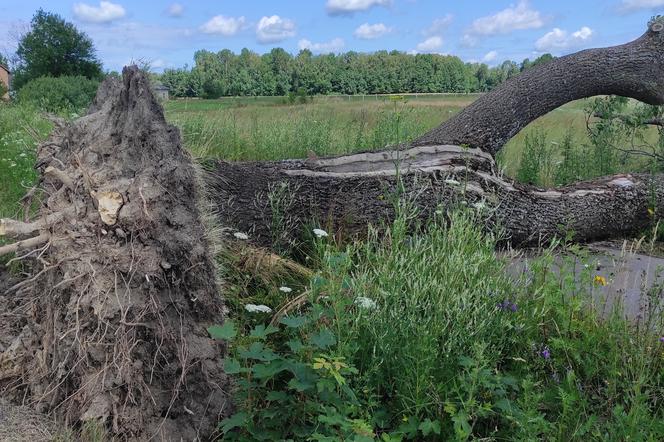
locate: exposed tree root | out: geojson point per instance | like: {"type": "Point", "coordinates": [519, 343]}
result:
{"type": "Point", "coordinates": [111, 326]}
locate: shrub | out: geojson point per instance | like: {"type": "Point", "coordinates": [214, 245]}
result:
{"type": "Point", "coordinates": [59, 94]}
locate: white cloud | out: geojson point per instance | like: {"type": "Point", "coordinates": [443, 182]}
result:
{"type": "Point", "coordinates": [104, 13]}
{"type": "Point", "coordinates": [175, 10]}
{"type": "Point", "coordinates": [370, 32]}
{"type": "Point", "coordinates": [559, 40]}
{"type": "Point", "coordinates": [274, 29]}
{"type": "Point", "coordinates": [490, 57]}
{"type": "Point", "coordinates": [222, 25]}
{"type": "Point", "coordinates": [431, 44]}
{"type": "Point", "coordinates": [634, 5]}
{"type": "Point", "coordinates": [348, 7]}
{"type": "Point", "coordinates": [333, 46]}
{"type": "Point", "coordinates": [439, 25]}
{"type": "Point", "coordinates": [514, 18]}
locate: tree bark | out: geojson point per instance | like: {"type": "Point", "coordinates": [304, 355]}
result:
{"type": "Point", "coordinates": [273, 202]}
{"type": "Point", "coordinates": [634, 70]}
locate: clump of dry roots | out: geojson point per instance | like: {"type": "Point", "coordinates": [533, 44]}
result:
{"type": "Point", "coordinates": [111, 325]}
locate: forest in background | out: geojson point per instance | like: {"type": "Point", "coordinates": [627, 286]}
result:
{"type": "Point", "coordinates": [278, 72]}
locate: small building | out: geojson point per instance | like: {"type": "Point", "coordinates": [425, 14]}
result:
{"type": "Point", "coordinates": [160, 91]}
{"type": "Point", "coordinates": [5, 79]}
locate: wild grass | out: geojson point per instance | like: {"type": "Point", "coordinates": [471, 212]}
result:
{"type": "Point", "coordinates": [21, 128]}
{"type": "Point", "coordinates": [268, 129]}
{"type": "Point", "coordinates": [419, 334]}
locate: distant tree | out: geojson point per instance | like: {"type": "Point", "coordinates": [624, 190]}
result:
{"type": "Point", "coordinates": [3, 60]}
{"type": "Point", "coordinates": [54, 47]}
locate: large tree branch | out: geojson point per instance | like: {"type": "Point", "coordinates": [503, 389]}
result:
{"type": "Point", "coordinates": [635, 70]}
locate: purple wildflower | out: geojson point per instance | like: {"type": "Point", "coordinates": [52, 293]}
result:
{"type": "Point", "coordinates": [507, 305]}
{"type": "Point", "coordinates": [661, 339]}
{"type": "Point", "coordinates": [546, 353]}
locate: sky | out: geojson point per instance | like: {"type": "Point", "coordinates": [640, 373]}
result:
{"type": "Point", "coordinates": [166, 33]}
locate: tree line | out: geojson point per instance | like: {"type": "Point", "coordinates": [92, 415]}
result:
{"type": "Point", "coordinates": [277, 72]}
{"type": "Point", "coordinates": [54, 48]}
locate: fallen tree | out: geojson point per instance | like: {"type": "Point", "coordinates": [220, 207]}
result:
{"type": "Point", "coordinates": [457, 158]}
{"type": "Point", "coordinates": [111, 326]}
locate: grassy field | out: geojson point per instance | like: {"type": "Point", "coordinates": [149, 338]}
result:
{"type": "Point", "coordinates": [416, 333]}
{"type": "Point", "coordinates": [267, 129]}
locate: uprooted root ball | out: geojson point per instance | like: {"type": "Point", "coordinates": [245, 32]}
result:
{"type": "Point", "coordinates": [111, 327]}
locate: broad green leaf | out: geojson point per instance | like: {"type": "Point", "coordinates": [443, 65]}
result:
{"type": "Point", "coordinates": [262, 332]}
{"type": "Point", "coordinates": [225, 332]}
{"type": "Point", "coordinates": [232, 366]}
{"type": "Point", "coordinates": [293, 321]}
{"type": "Point", "coordinates": [323, 339]}
{"type": "Point", "coordinates": [266, 371]}
{"type": "Point", "coordinates": [257, 351]}
{"type": "Point", "coordinates": [428, 426]}
{"type": "Point", "coordinates": [236, 420]}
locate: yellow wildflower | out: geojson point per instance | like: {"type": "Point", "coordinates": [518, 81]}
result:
{"type": "Point", "coordinates": [600, 280]}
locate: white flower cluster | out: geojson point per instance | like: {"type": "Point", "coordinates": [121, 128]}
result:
{"type": "Point", "coordinates": [253, 308]}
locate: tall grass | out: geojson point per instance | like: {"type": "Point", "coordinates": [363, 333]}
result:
{"type": "Point", "coordinates": [419, 334]}
{"type": "Point", "coordinates": [21, 128]}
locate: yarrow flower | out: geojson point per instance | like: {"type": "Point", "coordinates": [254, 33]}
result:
{"type": "Point", "coordinates": [365, 303]}
{"type": "Point", "coordinates": [253, 308]}
{"type": "Point", "coordinates": [240, 235]}
{"type": "Point", "coordinates": [507, 305]}
{"type": "Point", "coordinates": [599, 280]}
{"type": "Point", "coordinates": [285, 289]}
{"type": "Point", "coordinates": [320, 233]}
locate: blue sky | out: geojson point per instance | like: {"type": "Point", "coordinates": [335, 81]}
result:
{"type": "Point", "coordinates": [167, 33]}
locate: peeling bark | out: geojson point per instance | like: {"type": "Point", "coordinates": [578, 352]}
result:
{"type": "Point", "coordinates": [345, 194]}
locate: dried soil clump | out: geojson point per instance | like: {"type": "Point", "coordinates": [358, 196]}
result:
{"type": "Point", "coordinates": [112, 326]}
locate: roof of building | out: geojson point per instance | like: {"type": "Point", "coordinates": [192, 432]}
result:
{"type": "Point", "coordinates": [5, 67]}
{"type": "Point", "coordinates": [160, 87]}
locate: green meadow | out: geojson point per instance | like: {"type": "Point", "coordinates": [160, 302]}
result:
{"type": "Point", "coordinates": [418, 332]}
{"type": "Point", "coordinates": [266, 128]}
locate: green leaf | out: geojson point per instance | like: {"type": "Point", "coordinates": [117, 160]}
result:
{"type": "Point", "coordinates": [323, 339]}
{"type": "Point", "coordinates": [277, 396]}
{"type": "Point", "coordinates": [461, 426]}
{"type": "Point", "coordinates": [236, 420]}
{"type": "Point", "coordinates": [294, 321]}
{"type": "Point", "coordinates": [258, 351]}
{"type": "Point", "coordinates": [232, 366]}
{"type": "Point", "coordinates": [225, 332]}
{"type": "Point", "coordinates": [262, 332]}
{"type": "Point", "coordinates": [295, 345]}
{"type": "Point", "coordinates": [318, 282]}
{"type": "Point", "coordinates": [428, 426]}
{"type": "Point", "coordinates": [266, 371]}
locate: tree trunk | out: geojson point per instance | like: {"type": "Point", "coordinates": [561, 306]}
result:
{"type": "Point", "coordinates": [634, 70]}
{"type": "Point", "coordinates": [273, 201]}
{"type": "Point", "coordinates": [111, 327]}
